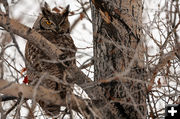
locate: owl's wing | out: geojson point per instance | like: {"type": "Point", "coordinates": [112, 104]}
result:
{"type": "Point", "coordinates": [66, 44]}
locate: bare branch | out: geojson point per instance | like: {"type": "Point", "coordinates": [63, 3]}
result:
{"type": "Point", "coordinates": [77, 76]}
{"type": "Point", "coordinates": [51, 50]}
{"type": "Point", "coordinates": [7, 97]}
{"type": "Point", "coordinates": [41, 94]}
{"type": "Point", "coordinates": [32, 36]}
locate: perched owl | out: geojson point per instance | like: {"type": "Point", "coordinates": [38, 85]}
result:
{"type": "Point", "coordinates": [55, 28]}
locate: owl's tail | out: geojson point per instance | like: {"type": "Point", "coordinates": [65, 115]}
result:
{"type": "Point", "coordinates": [50, 109]}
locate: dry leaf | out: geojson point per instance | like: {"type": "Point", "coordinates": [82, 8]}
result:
{"type": "Point", "coordinates": [23, 70]}
{"type": "Point", "coordinates": [72, 13]}
{"type": "Point", "coordinates": [56, 9]}
{"type": "Point", "coordinates": [159, 83]}
{"type": "Point", "coordinates": [81, 16]}
{"type": "Point", "coordinates": [25, 80]}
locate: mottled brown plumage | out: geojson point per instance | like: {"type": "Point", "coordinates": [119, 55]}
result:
{"type": "Point", "coordinates": [55, 28]}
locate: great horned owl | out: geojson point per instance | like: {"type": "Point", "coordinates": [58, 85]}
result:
{"type": "Point", "coordinates": [55, 28]}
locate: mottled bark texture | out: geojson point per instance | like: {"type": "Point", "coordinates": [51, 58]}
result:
{"type": "Point", "coordinates": [118, 52]}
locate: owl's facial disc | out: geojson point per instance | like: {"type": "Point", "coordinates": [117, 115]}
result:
{"type": "Point", "coordinates": [47, 24]}
{"type": "Point", "coordinates": [55, 22]}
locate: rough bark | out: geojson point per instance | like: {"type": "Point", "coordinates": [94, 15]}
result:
{"type": "Point", "coordinates": [118, 52]}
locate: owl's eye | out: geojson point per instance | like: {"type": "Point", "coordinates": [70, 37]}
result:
{"type": "Point", "coordinates": [48, 22]}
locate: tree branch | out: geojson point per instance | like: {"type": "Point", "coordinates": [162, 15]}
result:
{"type": "Point", "coordinates": [7, 97]}
{"type": "Point", "coordinates": [32, 36]}
{"type": "Point", "coordinates": [77, 76]}
{"type": "Point", "coordinates": [42, 93]}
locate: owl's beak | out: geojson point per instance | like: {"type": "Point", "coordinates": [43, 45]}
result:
{"type": "Point", "coordinates": [57, 29]}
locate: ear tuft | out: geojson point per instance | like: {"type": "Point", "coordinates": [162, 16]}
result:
{"type": "Point", "coordinates": [65, 11]}
{"type": "Point", "coordinates": [46, 9]}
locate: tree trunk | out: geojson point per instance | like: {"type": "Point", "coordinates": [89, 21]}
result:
{"type": "Point", "coordinates": [118, 54]}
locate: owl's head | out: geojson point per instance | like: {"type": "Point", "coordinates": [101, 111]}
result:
{"type": "Point", "coordinates": [55, 22]}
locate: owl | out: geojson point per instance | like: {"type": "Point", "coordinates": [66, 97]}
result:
{"type": "Point", "coordinates": [55, 28]}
